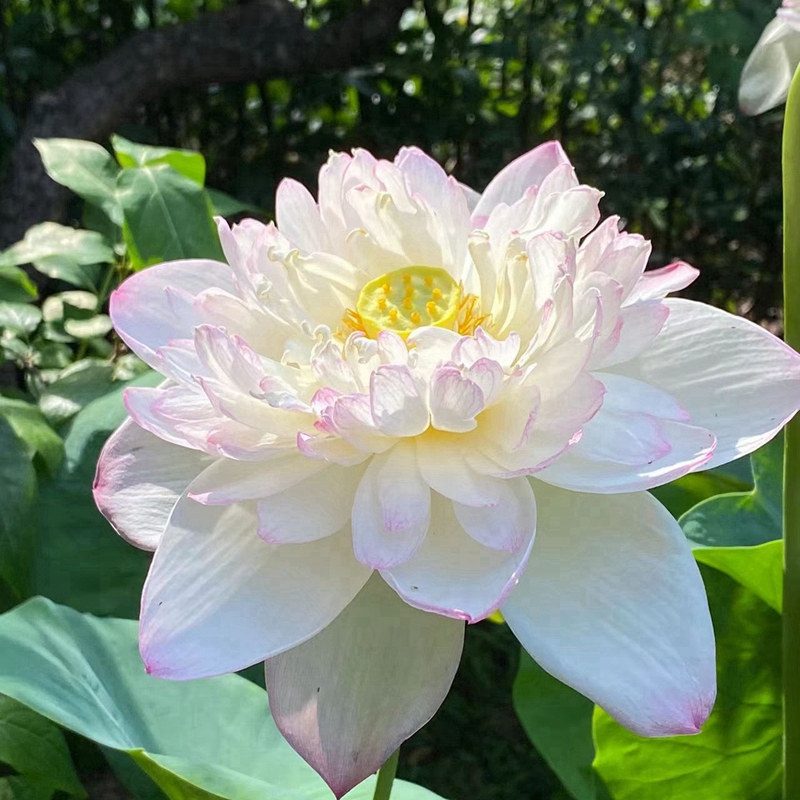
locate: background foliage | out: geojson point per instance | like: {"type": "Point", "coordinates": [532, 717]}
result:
{"type": "Point", "coordinates": [642, 94]}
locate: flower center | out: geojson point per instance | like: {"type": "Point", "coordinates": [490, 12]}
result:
{"type": "Point", "coordinates": [405, 299]}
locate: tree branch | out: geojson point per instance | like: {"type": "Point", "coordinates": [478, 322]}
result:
{"type": "Point", "coordinates": [254, 41]}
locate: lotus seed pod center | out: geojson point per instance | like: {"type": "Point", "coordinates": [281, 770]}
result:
{"type": "Point", "coordinates": [409, 298]}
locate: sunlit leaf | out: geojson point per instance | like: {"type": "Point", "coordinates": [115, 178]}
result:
{"type": "Point", "coordinates": [167, 216]}
{"type": "Point", "coordinates": [84, 167]}
{"type": "Point", "coordinates": [188, 163]}
{"type": "Point", "coordinates": [61, 252]}
{"type": "Point", "coordinates": [15, 285]}
{"type": "Point", "coordinates": [20, 318]}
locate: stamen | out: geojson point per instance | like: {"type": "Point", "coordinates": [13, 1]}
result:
{"type": "Point", "coordinates": [403, 300]}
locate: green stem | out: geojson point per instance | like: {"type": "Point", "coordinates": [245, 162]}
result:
{"type": "Point", "coordinates": [383, 788]}
{"type": "Point", "coordinates": [791, 478]}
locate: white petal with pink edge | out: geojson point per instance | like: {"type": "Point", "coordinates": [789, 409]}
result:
{"type": "Point", "coordinates": [453, 575]}
{"type": "Point", "coordinates": [391, 509]}
{"type": "Point", "coordinates": [350, 696]}
{"type": "Point", "coordinates": [139, 480]}
{"type": "Point", "coordinates": [142, 310]}
{"type": "Point", "coordinates": [612, 604]}
{"type": "Point", "coordinates": [732, 376]}
{"type": "Point", "coordinates": [218, 598]}
{"type": "Point", "coordinates": [510, 183]}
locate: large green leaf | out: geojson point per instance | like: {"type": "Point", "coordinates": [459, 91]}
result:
{"type": "Point", "coordinates": [738, 753]}
{"type": "Point", "coordinates": [198, 739]}
{"type": "Point", "coordinates": [167, 216]}
{"type": "Point", "coordinates": [17, 508]}
{"type": "Point", "coordinates": [80, 560]}
{"type": "Point", "coordinates": [61, 252]}
{"type": "Point", "coordinates": [86, 168]}
{"type": "Point", "coordinates": [558, 720]}
{"type": "Point", "coordinates": [35, 748]}
{"type": "Point", "coordinates": [31, 427]}
{"type": "Point", "coordinates": [743, 518]}
{"type": "Point", "coordinates": [758, 568]}
{"type": "Point", "coordinates": [188, 163]}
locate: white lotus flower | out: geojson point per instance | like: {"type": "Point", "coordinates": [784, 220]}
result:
{"type": "Point", "coordinates": [373, 407]}
{"type": "Point", "coordinates": [769, 69]}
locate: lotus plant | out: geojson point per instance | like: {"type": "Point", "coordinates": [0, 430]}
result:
{"type": "Point", "coordinates": [405, 406]}
{"type": "Point", "coordinates": [769, 69]}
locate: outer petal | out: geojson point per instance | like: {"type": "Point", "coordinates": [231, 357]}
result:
{"type": "Point", "coordinates": [510, 183]}
{"type": "Point", "coordinates": [452, 574]}
{"type": "Point", "coordinates": [768, 72]}
{"type": "Point", "coordinates": [219, 599]}
{"type": "Point", "coordinates": [144, 311]}
{"type": "Point", "coordinates": [139, 479]}
{"type": "Point", "coordinates": [732, 376]}
{"type": "Point", "coordinates": [346, 699]}
{"type": "Point", "coordinates": [612, 604]}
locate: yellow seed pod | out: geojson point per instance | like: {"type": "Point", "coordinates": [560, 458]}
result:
{"type": "Point", "coordinates": [405, 299]}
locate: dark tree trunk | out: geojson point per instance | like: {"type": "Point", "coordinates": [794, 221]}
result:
{"type": "Point", "coordinates": [255, 41]}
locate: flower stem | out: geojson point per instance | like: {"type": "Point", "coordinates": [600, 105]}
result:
{"type": "Point", "coordinates": [383, 788]}
{"type": "Point", "coordinates": [791, 478]}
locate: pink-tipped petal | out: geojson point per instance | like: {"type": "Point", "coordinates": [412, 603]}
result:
{"type": "Point", "coordinates": [143, 310]}
{"type": "Point", "coordinates": [510, 184]}
{"type": "Point", "coordinates": [612, 604]}
{"type": "Point", "coordinates": [349, 697]}
{"type": "Point", "coordinates": [391, 509]}
{"type": "Point", "coordinates": [139, 480]}
{"type": "Point", "coordinates": [452, 574]}
{"type": "Point", "coordinates": [732, 376]}
{"type": "Point", "coordinates": [507, 526]}
{"type": "Point", "coordinates": [581, 470]}
{"type": "Point", "coordinates": [655, 284]}
{"type": "Point", "coordinates": [398, 408]}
